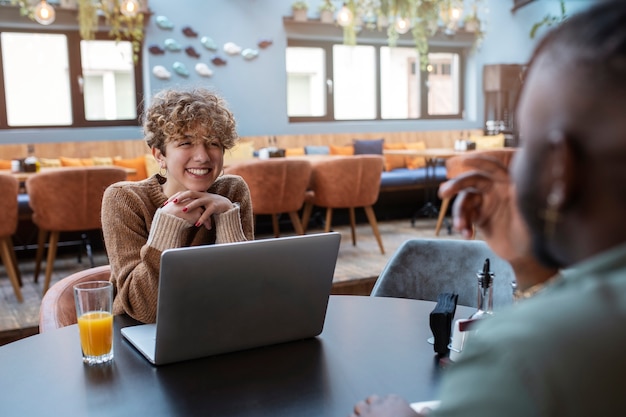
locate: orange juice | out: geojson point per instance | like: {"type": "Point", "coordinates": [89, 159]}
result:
{"type": "Point", "coordinates": [96, 332]}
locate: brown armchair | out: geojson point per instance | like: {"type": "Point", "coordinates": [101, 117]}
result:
{"type": "Point", "coordinates": [353, 181]}
{"type": "Point", "coordinates": [277, 185]}
{"type": "Point", "coordinates": [8, 225]}
{"type": "Point", "coordinates": [57, 305]}
{"type": "Point", "coordinates": [67, 200]}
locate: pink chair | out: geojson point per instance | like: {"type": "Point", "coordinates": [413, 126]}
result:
{"type": "Point", "coordinates": [57, 305]}
{"type": "Point", "coordinates": [277, 185]}
{"type": "Point", "coordinates": [350, 182]}
{"type": "Point", "coordinates": [8, 225]}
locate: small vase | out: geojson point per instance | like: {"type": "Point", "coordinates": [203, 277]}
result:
{"type": "Point", "coordinates": [69, 4]}
{"type": "Point", "coordinates": [472, 26]}
{"type": "Point", "coordinates": [300, 15]}
{"type": "Point", "coordinates": [327, 16]}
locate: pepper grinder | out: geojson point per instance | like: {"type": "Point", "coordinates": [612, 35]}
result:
{"type": "Point", "coordinates": [485, 292]}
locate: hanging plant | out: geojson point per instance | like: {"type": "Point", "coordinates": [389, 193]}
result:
{"type": "Point", "coordinates": [549, 20]}
{"type": "Point", "coordinates": [121, 27]}
{"type": "Point", "coordinates": [87, 19]}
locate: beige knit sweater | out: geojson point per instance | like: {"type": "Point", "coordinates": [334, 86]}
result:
{"type": "Point", "coordinates": [136, 231]}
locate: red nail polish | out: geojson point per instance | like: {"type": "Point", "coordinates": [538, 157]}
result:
{"type": "Point", "coordinates": [175, 200]}
{"type": "Point", "coordinates": [198, 224]}
{"type": "Point", "coordinates": [165, 204]}
{"type": "Point", "coordinates": [184, 209]}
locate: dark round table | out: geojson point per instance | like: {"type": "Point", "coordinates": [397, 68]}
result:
{"type": "Point", "coordinates": [369, 345]}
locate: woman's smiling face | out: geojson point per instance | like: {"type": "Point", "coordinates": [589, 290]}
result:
{"type": "Point", "coordinates": [193, 161]}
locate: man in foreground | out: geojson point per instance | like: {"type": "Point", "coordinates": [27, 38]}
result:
{"type": "Point", "coordinates": [560, 352]}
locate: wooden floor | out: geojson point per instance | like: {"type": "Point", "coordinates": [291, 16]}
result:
{"type": "Point", "coordinates": [356, 271]}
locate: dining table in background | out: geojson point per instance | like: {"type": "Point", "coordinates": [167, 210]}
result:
{"type": "Point", "coordinates": [368, 345]}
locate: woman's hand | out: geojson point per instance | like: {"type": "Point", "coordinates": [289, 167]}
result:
{"type": "Point", "coordinates": [197, 207]}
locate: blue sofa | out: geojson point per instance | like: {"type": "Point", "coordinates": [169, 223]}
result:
{"type": "Point", "coordinates": [404, 178]}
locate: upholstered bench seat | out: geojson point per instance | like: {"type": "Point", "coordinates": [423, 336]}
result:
{"type": "Point", "coordinates": [410, 178]}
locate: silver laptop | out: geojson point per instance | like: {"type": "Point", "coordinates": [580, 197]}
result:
{"type": "Point", "coordinates": [223, 298]}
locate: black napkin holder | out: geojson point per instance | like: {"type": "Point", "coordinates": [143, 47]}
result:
{"type": "Point", "coordinates": [441, 321]}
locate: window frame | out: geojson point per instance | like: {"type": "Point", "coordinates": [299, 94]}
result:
{"type": "Point", "coordinates": [326, 44]}
{"type": "Point", "coordinates": [75, 71]}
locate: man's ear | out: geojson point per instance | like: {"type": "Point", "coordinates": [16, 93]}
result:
{"type": "Point", "coordinates": [561, 171]}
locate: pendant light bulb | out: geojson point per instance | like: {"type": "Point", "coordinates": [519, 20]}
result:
{"type": "Point", "coordinates": [344, 16]}
{"type": "Point", "coordinates": [129, 8]}
{"type": "Point", "coordinates": [44, 13]}
{"type": "Point", "coordinates": [402, 25]}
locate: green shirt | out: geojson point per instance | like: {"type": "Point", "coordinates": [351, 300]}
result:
{"type": "Point", "coordinates": [560, 353]}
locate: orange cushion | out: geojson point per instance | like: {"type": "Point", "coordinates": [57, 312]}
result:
{"type": "Point", "coordinates": [138, 164]}
{"type": "Point", "coordinates": [76, 162]}
{"type": "Point", "coordinates": [50, 162]}
{"type": "Point", "coordinates": [394, 161]}
{"type": "Point", "coordinates": [294, 151]}
{"type": "Point", "coordinates": [341, 150]}
{"type": "Point", "coordinates": [5, 164]}
{"type": "Point", "coordinates": [414, 162]}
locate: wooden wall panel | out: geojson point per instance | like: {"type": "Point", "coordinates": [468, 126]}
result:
{"type": "Point", "coordinates": [134, 148]}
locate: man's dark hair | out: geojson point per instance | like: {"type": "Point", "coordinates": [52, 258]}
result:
{"type": "Point", "coordinates": [593, 40]}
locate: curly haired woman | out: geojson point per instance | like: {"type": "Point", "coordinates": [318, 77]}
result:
{"type": "Point", "coordinates": [188, 203]}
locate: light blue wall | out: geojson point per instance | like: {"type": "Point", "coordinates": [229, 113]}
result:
{"type": "Point", "coordinates": [256, 91]}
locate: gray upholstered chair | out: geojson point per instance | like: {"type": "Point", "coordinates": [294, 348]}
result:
{"type": "Point", "coordinates": [423, 268]}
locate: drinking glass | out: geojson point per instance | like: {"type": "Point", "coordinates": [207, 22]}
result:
{"type": "Point", "coordinates": [94, 304]}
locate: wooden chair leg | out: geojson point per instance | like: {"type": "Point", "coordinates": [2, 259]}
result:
{"type": "Point", "coordinates": [306, 216]}
{"type": "Point", "coordinates": [371, 217]}
{"type": "Point", "coordinates": [329, 219]}
{"type": "Point", "coordinates": [295, 220]}
{"type": "Point", "coordinates": [15, 263]}
{"type": "Point", "coordinates": [41, 244]}
{"type": "Point", "coordinates": [52, 253]}
{"type": "Point", "coordinates": [275, 227]}
{"type": "Point", "coordinates": [352, 225]}
{"type": "Point", "coordinates": [6, 247]}
{"type": "Point", "coordinates": [442, 214]}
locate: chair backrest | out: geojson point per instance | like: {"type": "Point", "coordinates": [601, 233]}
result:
{"type": "Point", "coordinates": [8, 205]}
{"type": "Point", "coordinates": [70, 199]}
{"type": "Point", "coordinates": [455, 165]}
{"type": "Point", "coordinates": [57, 305]}
{"type": "Point", "coordinates": [424, 268]}
{"type": "Point", "coordinates": [277, 185]}
{"type": "Point", "coordinates": [351, 181]}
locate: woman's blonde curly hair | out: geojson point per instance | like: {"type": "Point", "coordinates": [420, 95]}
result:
{"type": "Point", "coordinates": [172, 113]}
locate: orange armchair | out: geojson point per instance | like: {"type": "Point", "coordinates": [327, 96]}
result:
{"type": "Point", "coordinates": [67, 200]}
{"type": "Point", "coordinates": [8, 225]}
{"type": "Point", "coordinates": [277, 185]}
{"type": "Point", "coordinates": [346, 182]}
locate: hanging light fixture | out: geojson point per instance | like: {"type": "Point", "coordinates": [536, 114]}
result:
{"type": "Point", "coordinates": [44, 13]}
{"type": "Point", "coordinates": [451, 16]}
{"type": "Point", "coordinates": [402, 25]}
{"type": "Point", "coordinates": [344, 16]}
{"type": "Point", "coordinates": [129, 8]}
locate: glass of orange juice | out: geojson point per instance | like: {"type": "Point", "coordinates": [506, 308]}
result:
{"type": "Point", "coordinates": [94, 303]}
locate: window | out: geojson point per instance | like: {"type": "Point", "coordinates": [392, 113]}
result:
{"type": "Point", "coordinates": [55, 79]}
{"type": "Point", "coordinates": [329, 81]}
